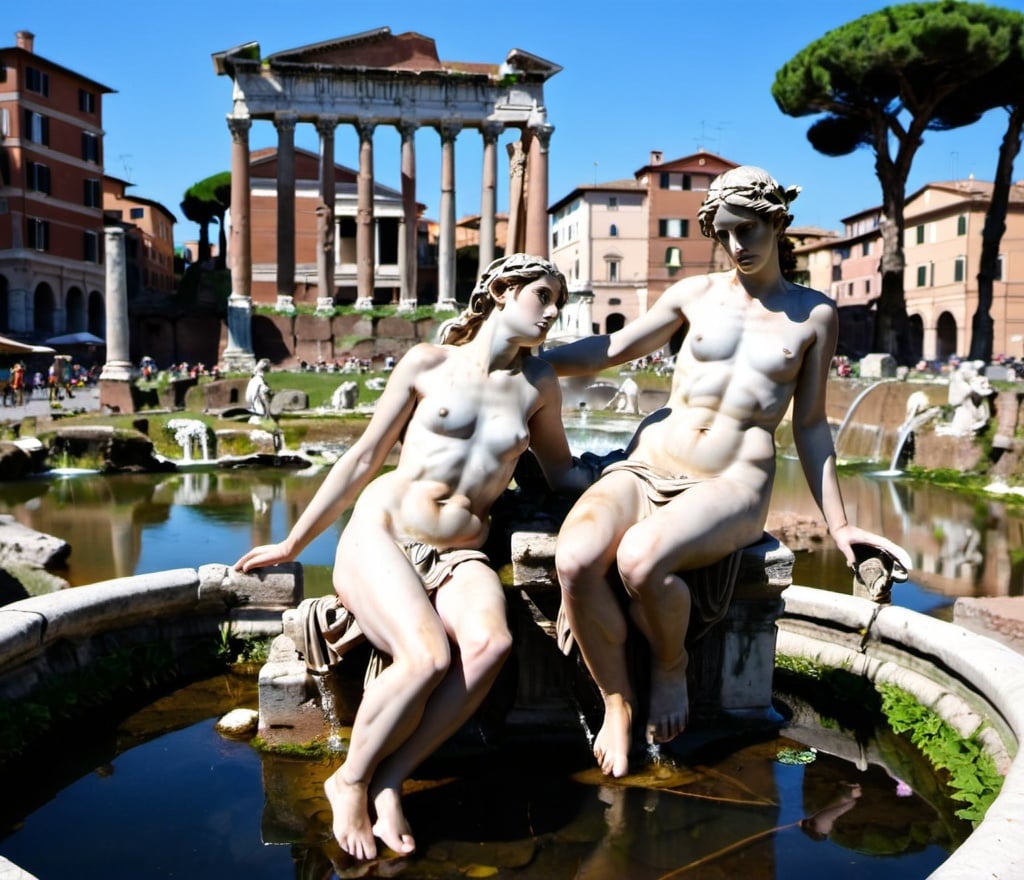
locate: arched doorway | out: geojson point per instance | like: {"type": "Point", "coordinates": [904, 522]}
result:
{"type": "Point", "coordinates": [43, 307]}
{"type": "Point", "coordinates": [615, 321]}
{"type": "Point", "coordinates": [97, 315]}
{"type": "Point", "coordinates": [74, 309]}
{"type": "Point", "coordinates": [945, 337]}
{"type": "Point", "coordinates": [915, 337]}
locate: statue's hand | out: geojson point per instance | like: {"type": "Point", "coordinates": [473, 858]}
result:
{"type": "Point", "coordinates": [265, 555]}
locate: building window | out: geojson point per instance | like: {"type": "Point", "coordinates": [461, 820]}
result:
{"type": "Point", "coordinates": [614, 301]}
{"type": "Point", "coordinates": [137, 213]}
{"type": "Point", "coordinates": [867, 287]}
{"type": "Point", "coordinates": [91, 246]}
{"type": "Point", "coordinates": [3, 71]}
{"type": "Point", "coordinates": [865, 249]}
{"type": "Point", "coordinates": [999, 269]}
{"type": "Point", "coordinates": [922, 276]}
{"type": "Point", "coordinates": [38, 234]}
{"type": "Point", "coordinates": [37, 81]}
{"type": "Point", "coordinates": [38, 177]}
{"type": "Point", "coordinates": [919, 232]}
{"type": "Point", "coordinates": [674, 180]}
{"type": "Point", "coordinates": [849, 289]}
{"type": "Point", "coordinates": [613, 230]}
{"type": "Point", "coordinates": [554, 239]}
{"type": "Point", "coordinates": [37, 128]}
{"type": "Point", "coordinates": [613, 203]}
{"type": "Point", "coordinates": [93, 193]}
{"type": "Point", "coordinates": [613, 270]}
{"type": "Point", "coordinates": [961, 225]}
{"type": "Point", "coordinates": [90, 147]}
{"type": "Point", "coordinates": [959, 268]}
{"type": "Point", "coordinates": [673, 227]}
{"type": "Point", "coordinates": [673, 260]}
{"type": "Point", "coordinates": [86, 101]}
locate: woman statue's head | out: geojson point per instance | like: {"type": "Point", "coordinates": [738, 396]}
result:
{"type": "Point", "coordinates": [504, 275]}
{"type": "Point", "coordinates": [747, 187]}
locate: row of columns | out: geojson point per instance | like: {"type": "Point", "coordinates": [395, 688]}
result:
{"type": "Point", "coordinates": [528, 227]}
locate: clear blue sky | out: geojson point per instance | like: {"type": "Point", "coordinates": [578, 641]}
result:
{"type": "Point", "coordinates": [669, 75]}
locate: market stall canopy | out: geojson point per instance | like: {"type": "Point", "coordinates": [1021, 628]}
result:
{"type": "Point", "coordinates": [14, 347]}
{"type": "Point", "coordinates": [81, 338]}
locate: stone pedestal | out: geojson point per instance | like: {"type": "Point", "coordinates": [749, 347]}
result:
{"type": "Point", "coordinates": [116, 394]}
{"type": "Point", "coordinates": [540, 690]}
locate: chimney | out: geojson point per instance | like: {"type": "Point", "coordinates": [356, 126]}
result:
{"type": "Point", "coordinates": [655, 157]}
{"type": "Point", "coordinates": [25, 40]}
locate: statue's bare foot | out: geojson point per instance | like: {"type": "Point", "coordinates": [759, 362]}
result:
{"type": "Point", "coordinates": [670, 701]}
{"type": "Point", "coordinates": [351, 825]}
{"type": "Point", "coordinates": [611, 745]}
{"type": "Point", "coordinates": [391, 825]}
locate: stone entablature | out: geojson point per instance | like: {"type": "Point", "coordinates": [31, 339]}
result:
{"type": "Point", "coordinates": [368, 80]}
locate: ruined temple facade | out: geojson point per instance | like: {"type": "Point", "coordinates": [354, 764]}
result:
{"type": "Point", "coordinates": [369, 80]}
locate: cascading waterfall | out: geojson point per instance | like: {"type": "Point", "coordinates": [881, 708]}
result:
{"type": "Point", "coordinates": [190, 434]}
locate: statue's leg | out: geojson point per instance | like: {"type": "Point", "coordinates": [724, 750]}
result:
{"type": "Point", "coordinates": [701, 526]}
{"type": "Point", "coordinates": [584, 554]}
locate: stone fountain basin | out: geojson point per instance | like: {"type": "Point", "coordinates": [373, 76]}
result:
{"type": "Point", "coordinates": [971, 681]}
{"type": "Point", "coordinates": [965, 678]}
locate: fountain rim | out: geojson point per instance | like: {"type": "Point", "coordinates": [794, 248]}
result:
{"type": "Point", "coordinates": [812, 617]}
{"type": "Point", "coordinates": [869, 640]}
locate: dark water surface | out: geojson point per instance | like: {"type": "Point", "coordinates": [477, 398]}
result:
{"type": "Point", "coordinates": [171, 798]}
{"type": "Point", "coordinates": [192, 804]}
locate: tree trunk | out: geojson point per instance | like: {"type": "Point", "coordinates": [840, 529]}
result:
{"type": "Point", "coordinates": [891, 307]}
{"type": "Point", "coordinates": [222, 243]}
{"type": "Point", "coordinates": [204, 242]}
{"type": "Point", "coordinates": [992, 236]}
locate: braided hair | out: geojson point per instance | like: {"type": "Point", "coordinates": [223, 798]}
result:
{"type": "Point", "coordinates": [502, 275]}
{"type": "Point", "coordinates": [747, 187]}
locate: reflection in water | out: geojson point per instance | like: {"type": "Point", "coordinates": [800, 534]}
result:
{"type": "Point", "coordinates": [137, 523]}
{"type": "Point", "coordinates": [526, 810]}
{"type": "Point", "coordinates": [960, 545]}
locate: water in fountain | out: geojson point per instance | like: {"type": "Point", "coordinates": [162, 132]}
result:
{"type": "Point", "coordinates": [906, 431]}
{"type": "Point", "coordinates": [189, 434]}
{"type": "Point", "coordinates": [853, 439]}
{"type": "Point", "coordinates": [329, 705]}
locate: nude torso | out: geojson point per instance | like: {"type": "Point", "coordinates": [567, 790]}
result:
{"type": "Point", "coordinates": [458, 454]}
{"type": "Point", "coordinates": [734, 377]}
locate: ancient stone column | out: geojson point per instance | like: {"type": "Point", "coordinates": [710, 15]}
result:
{"type": "Point", "coordinates": [365, 250]}
{"type": "Point", "coordinates": [325, 125]}
{"type": "Point", "coordinates": [116, 375]}
{"type": "Point", "coordinates": [537, 237]}
{"type": "Point", "coordinates": [238, 354]}
{"type": "Point", "coordinates": [284, 122]}
{"type": "Point", "coordinates": [448, 130]}
{"type": "Point", "coordinates": [489, 194]}
{"type": "Point", "coordinates": [514, 236]}
{"type": "Point", "coordinates": [118, 363]}
{"type": "Point", "coordinates": [407, 231]}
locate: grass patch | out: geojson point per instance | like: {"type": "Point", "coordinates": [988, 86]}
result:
{"type": "Point", "coordinates": [852, 702]}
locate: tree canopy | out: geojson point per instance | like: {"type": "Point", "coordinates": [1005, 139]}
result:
{"type": "Point", "coordinates": [205, 202]}
{"type": "Point", "coordinates": [882, 81]}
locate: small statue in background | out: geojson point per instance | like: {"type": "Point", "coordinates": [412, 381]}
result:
{"type": "Point", "coordinates": [627, 398]}
{"type": "Point", "coordinates": [970, 392]}
{"type": "Point", "coordinates": [257, 392]}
